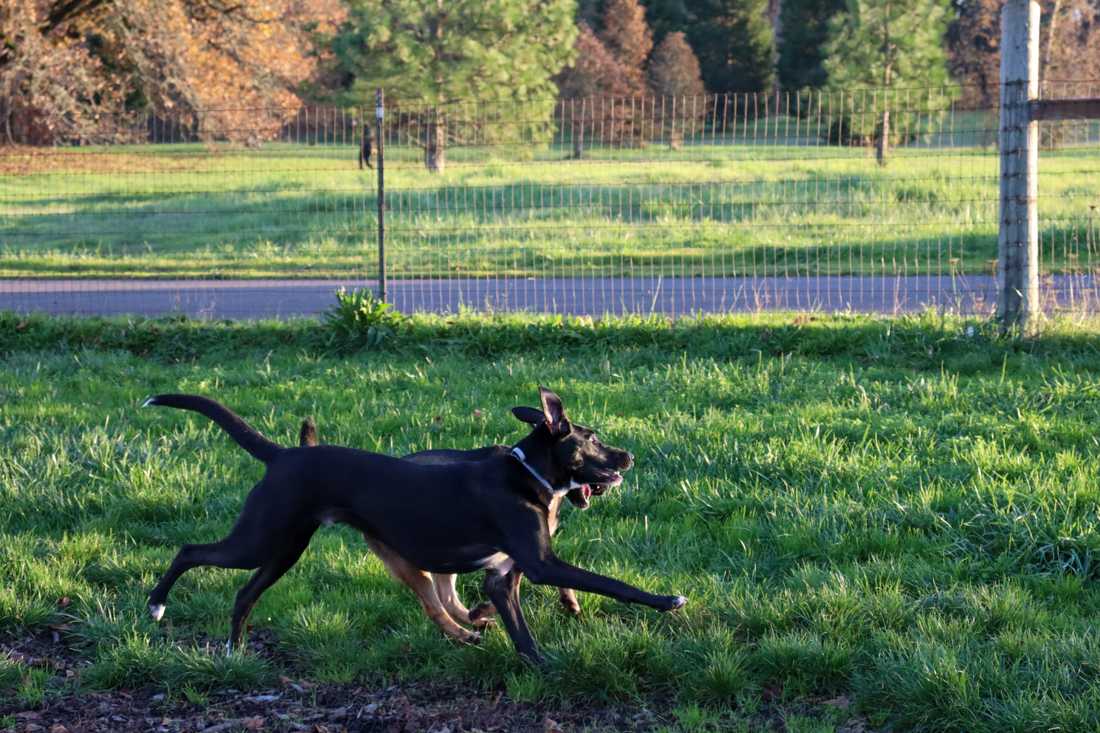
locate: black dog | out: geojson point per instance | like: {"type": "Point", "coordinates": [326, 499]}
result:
{"type": "Point", "coordinates": [454, 518]}
{"type": "Point", "coordinates": [437, 592]}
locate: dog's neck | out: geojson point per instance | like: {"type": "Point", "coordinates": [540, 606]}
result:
{"type": "Point", "coordinates": [548, 492]}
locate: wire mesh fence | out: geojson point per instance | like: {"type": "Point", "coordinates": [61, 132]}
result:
{"type": "Point", "coordinates": [866, 200]}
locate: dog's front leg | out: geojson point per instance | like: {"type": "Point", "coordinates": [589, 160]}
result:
{"type": "Point", "coordinates": [503, 591]}
{"type": "Point", "coordinates": [548, 569]}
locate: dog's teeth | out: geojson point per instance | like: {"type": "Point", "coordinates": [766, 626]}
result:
{"type": "Point", "coordinates": [156, 611]}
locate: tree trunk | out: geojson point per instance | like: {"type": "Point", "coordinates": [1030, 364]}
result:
{"type": "Point", "coordinates": [435, 147]}
{"type": "Point", "coordinates": [882, 150]}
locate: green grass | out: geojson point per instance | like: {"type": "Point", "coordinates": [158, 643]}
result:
{"type": "Point", "coordinates": [901, 512]}
{"type": "Point", "coordinates": [733, 209]}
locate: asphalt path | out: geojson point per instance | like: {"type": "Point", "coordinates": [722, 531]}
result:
{"type": "Point", "coordinates": [596, 296]}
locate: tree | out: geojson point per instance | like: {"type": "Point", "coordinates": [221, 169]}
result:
{"type": "Point", "coordinates": [667, 16]}
{"type": "Point", "coordinates": [805, 25]}
{"type": "Point", "coordinates": [674, 72]}
{"type": "Point", "coordinates": [595, 76]}
{"type": "Point", "coordinates": [443, 55]}
{"type": "Point", "coordinates": [878, 47]}
{"type": "Point", "coordinates": [734, 43]}
{"type": "Point", "coordinates": [626, 34]}
{"type": "Point", "coordinates": [1069, 45]}
{"type": "Point", "coordinates": [92, 70]}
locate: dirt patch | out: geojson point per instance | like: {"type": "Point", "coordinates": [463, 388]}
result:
{"type": "Point", "coordinates": [24, 161]}
{"type": "Point", "coordinates": [294, 705]}
{"type": "Point", "coordinates": [300, 706]}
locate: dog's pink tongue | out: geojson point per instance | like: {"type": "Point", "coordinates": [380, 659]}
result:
{"type": "Point", "coordinates": [586, 491]}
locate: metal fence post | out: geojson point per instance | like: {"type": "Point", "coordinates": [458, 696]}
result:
{"type": "Point", "coordinates": [1018, 242]}
{"type": "Point", "coordinates": [379, 113]}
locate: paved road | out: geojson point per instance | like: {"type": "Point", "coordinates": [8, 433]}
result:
{"type": "Point", "coordinates": [590, 296]}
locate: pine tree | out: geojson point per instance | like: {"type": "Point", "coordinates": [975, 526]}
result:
{"type": "Point", "coordinates": [667, 16]}
{"type": "Point", "coordinates": [805, 25]}
{"type": "Point", "coordinates": [626, 34]}
{"type": "Point", "coordinates": [674, 70]}
{"type": "Point", "coordinates": [733, 40]}
{"type": "Point", "coordinates": [878, 47]}
{"type": "Point", "coordinates": [674, 74]}
{"type": "Point", "coordinates": [499, 54]}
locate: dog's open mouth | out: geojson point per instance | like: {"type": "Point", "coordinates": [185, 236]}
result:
{"type": "Point", "coordinates": [580, 495]}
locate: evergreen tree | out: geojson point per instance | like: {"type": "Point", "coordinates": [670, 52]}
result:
{"type": "Point", "coordinates": [733, 41]}
{"type": "Point", "coordinates": [667, 16]}
{"type": "Point", "coordinates": [674, 70]}
{"type": "Point", "coordinates": [805, 25]}
{"type": "Point", "coordinates": [595, 77]}
{"type": "Point", "coordinates": [626, 34]}
{"type": "Point", "coordinates": [498, 53]}
{"type": "Point", "coordinates": [878, 47]}
{"type": "Point", "coordinates": [674, 73]}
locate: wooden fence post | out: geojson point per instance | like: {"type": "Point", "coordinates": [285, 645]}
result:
{"type": "Point", "coordinates": [1018, 243]}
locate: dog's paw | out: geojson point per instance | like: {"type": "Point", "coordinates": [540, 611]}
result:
{"type": "Point", "coordinates": [571, 607]}
{"type": "Point", "coordinates": [482, 615]}
{"type": "Point", "coordinates": [156, 610]}
{"type": "Point", "coordinates": [472, 637]}
{"type": "Point", "coordinates": [673, 603]}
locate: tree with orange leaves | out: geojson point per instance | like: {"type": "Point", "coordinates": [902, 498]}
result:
{"type": "Point", "coordinates": [93, 70]}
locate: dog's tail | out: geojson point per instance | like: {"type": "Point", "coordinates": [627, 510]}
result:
{"type": "Point", "coordinates": [246, 436]}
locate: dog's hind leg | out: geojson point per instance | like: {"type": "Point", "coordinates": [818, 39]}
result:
{"type": "Point", "coordinates": [444, 584]}
{"type": "Point", "coordinates": [247, 546]}
{"type": "Point", "coordinates": [420, 582]}
{"type": "Point", "coordinates": [263, 579]}
{"type": "Point", "coordinates": [223, 554]}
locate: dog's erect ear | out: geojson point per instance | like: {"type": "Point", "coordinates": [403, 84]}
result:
{"type": "Point", "coordinates": [308, 434]}
{"type": "Point", "coordinates": [553, 412]}
{"type": "Point", "coordinates": [529, 415]}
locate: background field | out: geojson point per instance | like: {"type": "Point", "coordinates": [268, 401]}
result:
{"type": "Point", "coordinates": [898, 512]}
{"type": "Point", "coordinates": [767, 201]}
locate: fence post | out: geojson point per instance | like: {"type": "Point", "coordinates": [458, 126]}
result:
{"type": "Point", "coordinates": [379, 113]}
{"type": "Point", "coordinates": [1018, 243]}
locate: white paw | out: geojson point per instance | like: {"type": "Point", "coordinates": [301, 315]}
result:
{"type": "Point", "coordinates": [680, 602]}
{"type": "Point", "coordinates": [156, 611]}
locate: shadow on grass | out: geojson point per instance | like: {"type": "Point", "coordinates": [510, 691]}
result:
{"type": "Point", "coordinates": [923, 340]}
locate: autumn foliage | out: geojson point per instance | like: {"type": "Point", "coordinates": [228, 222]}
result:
{"type": "Point", "coordinates": [98, 70]}
{"type": "Point", "coordinates": [627, 36]}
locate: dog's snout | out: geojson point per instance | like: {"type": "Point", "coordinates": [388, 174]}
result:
{"type": "Point", "coordinates": [628, 460]}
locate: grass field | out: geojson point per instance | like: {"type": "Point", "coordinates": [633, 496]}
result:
{"type": "Point", "coordinates": [902, 513]}
{"type": "Point", "coordinates": [749, 207]}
